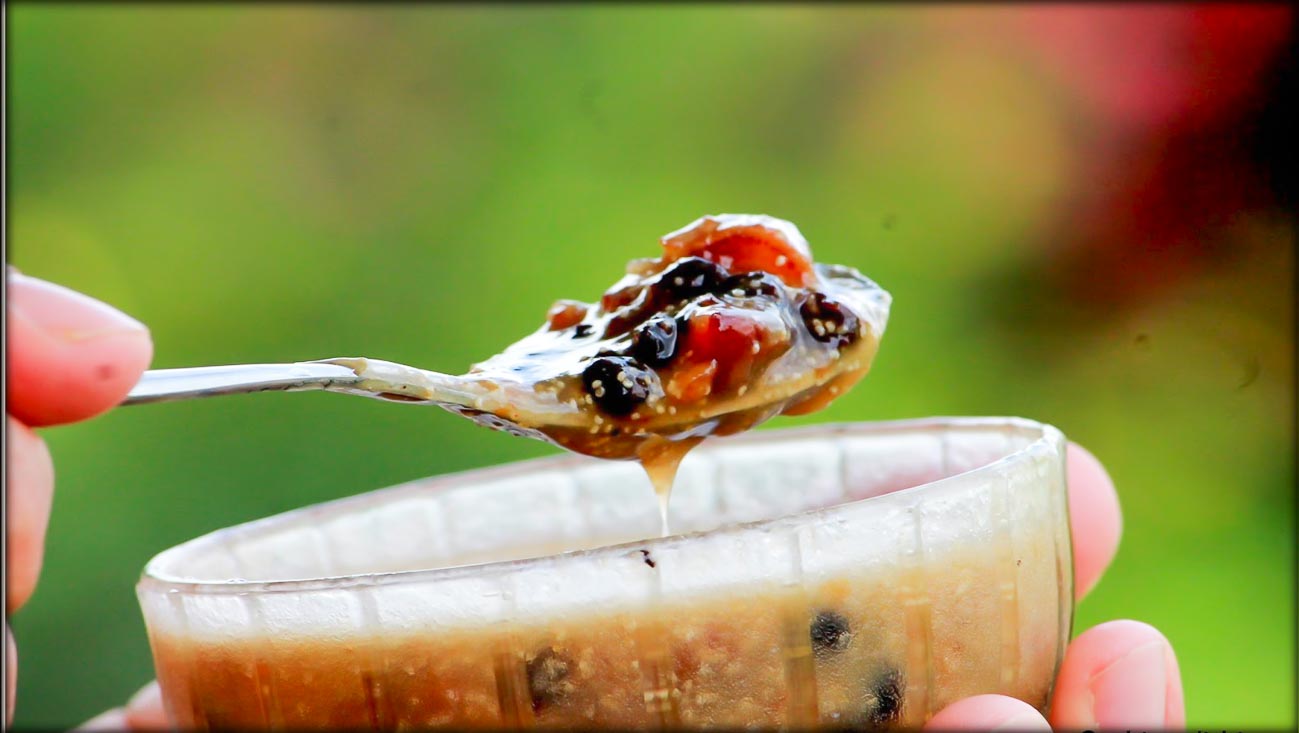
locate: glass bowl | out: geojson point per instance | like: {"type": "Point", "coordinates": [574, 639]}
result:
{"type": "Point", "coordinates": [855, 575]}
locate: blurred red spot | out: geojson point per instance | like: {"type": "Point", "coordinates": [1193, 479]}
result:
{"type": "Point", "coordinates": [1169, 93]}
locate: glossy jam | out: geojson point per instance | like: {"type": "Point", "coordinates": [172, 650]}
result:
{"type": "Point", "coordinates": [732, 325]}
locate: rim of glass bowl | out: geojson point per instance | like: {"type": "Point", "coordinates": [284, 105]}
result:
{"type": "Point", "coordinates": [156, 579]}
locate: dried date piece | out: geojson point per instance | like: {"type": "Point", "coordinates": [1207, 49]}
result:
{"type": "Point", "coordinates": [828, 320]}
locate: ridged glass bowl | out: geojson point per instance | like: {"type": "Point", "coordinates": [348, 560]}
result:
{"type": "Point", "coordinates": [859, 575]}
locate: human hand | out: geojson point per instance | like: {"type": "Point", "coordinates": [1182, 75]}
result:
{"type": "Point", "coordinates": [70, 358]}
{"type": "Point", "coordinates": [1121, 675]}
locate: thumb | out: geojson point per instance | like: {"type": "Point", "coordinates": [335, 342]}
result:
{"type": "Point", "coordinates": [71, 357]}
{"type": "Point", "coordinates": [988, 712]}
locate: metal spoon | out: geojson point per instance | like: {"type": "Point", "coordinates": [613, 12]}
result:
{"type": "Point", "coordinates": [364, 377]}
{"type": "Point", "coordinates": [488, 399]}
{"type": "Point", "coordinates": [520, 389]}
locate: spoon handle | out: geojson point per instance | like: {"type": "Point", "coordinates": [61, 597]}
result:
{"type": "Point", "coordinates": [360, 376]}
{"type": "Point", "coordinates": [374, 378]}
{"type": "Point", "coordinates": [168, 385]}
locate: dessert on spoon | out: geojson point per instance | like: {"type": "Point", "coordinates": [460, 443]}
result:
{"type": "Point", "coordinates": [733, 324]}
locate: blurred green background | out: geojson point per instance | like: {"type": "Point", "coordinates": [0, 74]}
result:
{"type": "Point", "coordinates": [420, 183]}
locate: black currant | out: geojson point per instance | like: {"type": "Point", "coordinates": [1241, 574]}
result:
{"type": "Point", "coordinates": [655, 341]}
{"type": "Point", "coordinates": [884, 699]}
{"type": "Point", "coordinates": [691, 276]}
{"type": "Point", "coordinates": [548, 678]}
{"type": "Point", "coordinates": [752, 285]}
{"type": "Point", "coordinates": [618, 384]}
{"type": "Point", "coordinates": [830, 633]}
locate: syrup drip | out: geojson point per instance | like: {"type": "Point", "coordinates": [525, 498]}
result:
{"type": "Point", "coordinates": [661, 458]}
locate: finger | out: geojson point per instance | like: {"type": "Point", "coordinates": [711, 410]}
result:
{"type": "Point", "coordinates": [29, 492]}
{"type": "Point", "coordinates": [114, 719]}
{"type": "Point", "coordinates": [1119, 675]}
{"type": "Point", "coordinates": [70, 356]}
{"type": "Point", "coordinates": [988, 712]}
{"type": "Point", "coordinates": [1094, 518]}
{"type": "Point", "coordinates": [145, 710]}
{"type": "Point", "coordinates": [11, 674]}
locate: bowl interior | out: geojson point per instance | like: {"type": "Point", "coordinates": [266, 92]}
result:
{"type": "Point", "coordinates": [555, 505]}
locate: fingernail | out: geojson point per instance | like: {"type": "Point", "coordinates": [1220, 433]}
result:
{"type": "Point", "coordinates": [146, 711]}
{"type": "Point", "coordinates": [147, 696]}
{"type": "Point", "coordinates": [111, 720]}
{"type": "Point", "coordinates": [65, 314]}
{"type": "Point", "coordinates": [1023, 720]}
{"type": "Point", "coordinates": [1131, 692]}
